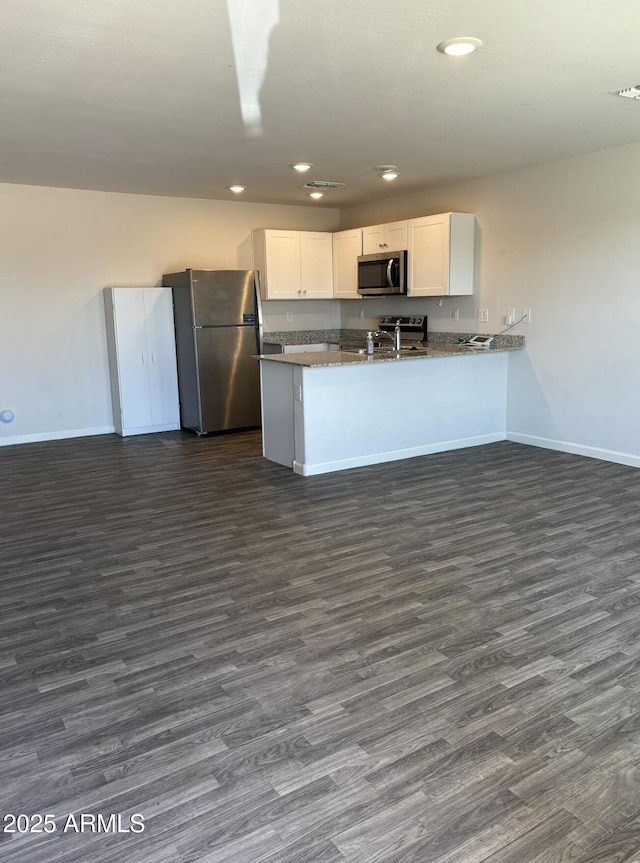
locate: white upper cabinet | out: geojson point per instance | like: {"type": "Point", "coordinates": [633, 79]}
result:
{"type": "Point", "coordinates": [313, 265]}
{"type": "Point", "coordinates": [441, 255]}
{"type": "Point", "coordinates": [294, 265]}
{"type": "Point", "coordinates": [347, 245]}
{"type": "Point", "coordinates": [316, 265]}
{"type": "Point", "coordinates": [276, 254]}
{"type": "Point", "coordinates": [391, 237]}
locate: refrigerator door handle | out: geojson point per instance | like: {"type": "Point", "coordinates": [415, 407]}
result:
{"type": "Point", "coordinates": [259, 330]}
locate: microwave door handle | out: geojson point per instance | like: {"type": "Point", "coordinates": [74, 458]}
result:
{"type": "Point", "coordinates": [389, 274]}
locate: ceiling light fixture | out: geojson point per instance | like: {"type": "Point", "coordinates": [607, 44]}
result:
{"type": "Point", "coordinates": [302, 166]}
{"type": "Point", "coordinates": [459, 46]}
{"type": "Point", "coordinates": [236, 189]}
{"type": "Point", "coordinates": [387, 172]}
{"type": "Point", "coordinates": [316, 194]}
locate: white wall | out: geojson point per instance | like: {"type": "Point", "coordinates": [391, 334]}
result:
{"type": "Point", "coordinates": [561, 238]}
{"type": "Point", "coordinates": [59, 248]}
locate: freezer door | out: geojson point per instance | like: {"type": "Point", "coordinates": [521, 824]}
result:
{"type": "Point", "coordinates": [229, 379]}
{"type": "Point", "coordinates": [223, 297]}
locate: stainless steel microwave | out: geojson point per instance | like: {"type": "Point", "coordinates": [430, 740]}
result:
{"type": "Point", "coordinates": [382, 273]}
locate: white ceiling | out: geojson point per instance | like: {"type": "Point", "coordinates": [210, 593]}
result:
{"type": "Point", "coordinates": [142, 95]}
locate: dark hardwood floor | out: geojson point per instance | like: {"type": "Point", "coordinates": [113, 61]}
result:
{"type": "Point", "coordinates": [429, 661]}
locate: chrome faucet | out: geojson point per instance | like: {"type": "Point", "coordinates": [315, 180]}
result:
{"type": "Point", "coordinates": [395, 336]}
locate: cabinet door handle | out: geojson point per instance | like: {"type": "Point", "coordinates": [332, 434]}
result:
{"type": "Point", "coordinates": [142, 358]}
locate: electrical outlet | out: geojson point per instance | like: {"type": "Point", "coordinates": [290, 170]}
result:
{"type": "Point", "coordinates": [483, 315]}
{"type": "Point", "coordinates": [361, 314]}
{"type": "Point", "coordinates": [289, 316]}
{"type": "Point", "coordinates": [298, 395]}
{"type": "Point", "coordinates": [455, 314]}
{"type": "Point", "coordinates": [510, 317]}
{"type": "Point", "coordinates": [526, 316]}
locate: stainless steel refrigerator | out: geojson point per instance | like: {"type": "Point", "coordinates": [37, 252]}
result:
{"type": "Point", "coordinates": [218, 324]}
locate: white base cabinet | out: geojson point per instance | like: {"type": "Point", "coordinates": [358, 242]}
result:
{"type": "Point", "coordinates": [294, 265]}
{"type": "Point", "coordinates": [312, 423]}
{"type": "Point", "coordinates": [441, 255]}
{"type": "Point", "coordinates": [142, 359]}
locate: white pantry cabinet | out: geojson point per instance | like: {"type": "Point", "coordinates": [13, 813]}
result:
{"type": "Point", "coordinates": [142, 359]}
{"type": "Point", "coordinates": [347, 245]}
{"type": "Point", "coordinates": [294, 265]}
{"type": "Point", "coordinates": [391, 237]}
{"type": "Point", "coordinates": [441, 255]}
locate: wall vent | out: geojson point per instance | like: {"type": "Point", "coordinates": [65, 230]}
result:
{"type": "Point", "coordinates": [628, 92]}
{"type": "Point", "coordinates": [322, 184]}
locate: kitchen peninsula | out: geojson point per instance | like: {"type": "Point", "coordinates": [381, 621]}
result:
{"type": "Point", "coordinates": [333, 410]}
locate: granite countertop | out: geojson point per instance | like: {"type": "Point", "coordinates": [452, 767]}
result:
{"type": "Point", "coordinates": [439, 345]}
{"type": "Point", "coordinates": [313, 337]}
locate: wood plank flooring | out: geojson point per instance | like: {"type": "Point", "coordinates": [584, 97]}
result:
{"type": "Point", "coordinates": [430, 661]}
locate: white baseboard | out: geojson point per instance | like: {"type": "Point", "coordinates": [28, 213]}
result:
{"type": "Point", "coordinates": [58, 435]}
{"type": "Point", "coordinates": [304, 469]}
{"type": "Point", "coordinates": [576, 449]}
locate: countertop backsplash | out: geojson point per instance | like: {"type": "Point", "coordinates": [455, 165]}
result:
{"type": "Point", "coordinates": [338, 336]}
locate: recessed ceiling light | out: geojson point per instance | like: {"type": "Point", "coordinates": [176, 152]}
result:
{"type": "Point", "coordinates": [302, 166]}
{"type": "Point", "coordinates": [316, 194]}
{"type": "Point", "coordinates": [237, 189]}
{"type": "Point", "coordinates": [459, 46]}
{"type": "Point", "coordinates": [387, 172]}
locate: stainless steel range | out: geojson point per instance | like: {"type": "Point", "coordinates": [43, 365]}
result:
{"type": "Point", "coordinates": [395, 333]}
{"type": "Point", "coordinates": [413, 328]}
